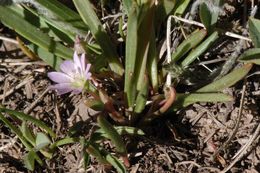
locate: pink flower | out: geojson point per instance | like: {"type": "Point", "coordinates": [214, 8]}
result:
{"type": "Point", "coordinates": [73, 76]}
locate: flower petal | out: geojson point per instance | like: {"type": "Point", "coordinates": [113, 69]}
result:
{"type": "Point", "coordinates": [68, 67]}
{"type": "Point", "coordinates": [87, 75]}
{"type": "Point", "coordinates": [59, 77]}
{"type": "Point", "coordinates": [62, 88]}
{"type": "Point", "coordinates": [77, 62]}
{"type": "Point", "coordinates": [83, 63]}
{"type": "Point", "coordinates": [88, 67]}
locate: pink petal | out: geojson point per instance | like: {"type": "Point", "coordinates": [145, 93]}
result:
{"type": "Point", "coordinates": [62, 88]}
{"type": "Point", "coordinates": [87, 75]}
{"type": "Point", "coordinates": [88, 67]}
{"type": "Point", "coordinates": [68, 67]}
{"type": "Point", "coordinates": [83, 63]}
{"type": "Point", "coordinates": [77, 61]}
{"type": "Point", "coordinates": [59, 77]}
{"type": "Point", "coordinates": [77, 91]}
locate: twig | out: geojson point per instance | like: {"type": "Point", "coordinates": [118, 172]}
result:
{"type": "Point", "coordinates": [8, 40]}
{"type": "Point", "coordinates": [229, 34]}
{"type": "Point", "coordinates": [33, 104]}
{"type": "Point", "coordinates": [29, 79]}
{"type": "Point", "coordinates": [243, 150]}
{"type": "Point", "coordinates": [233, 134]}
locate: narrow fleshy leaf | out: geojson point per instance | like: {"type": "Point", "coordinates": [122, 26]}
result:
{"type": "Point", "coordinates": [27, 133]}
{"type": "Point", "coordinates": [29, 160]}
{"type": "Point", "coordinates": [209, 14]}
{"type": "Point", "coordinates": [131, 53]}
{"type": "Point", "coordinates": [142, 97]}
{"type": "Point", "coordinates": [251, 56]}
{"type": "Point", "coordinates": [184, 100]}
{"type": "Point", "coordinates": [152, 63]}
{"type": "Point", "coordinates": [94, 150]}
{"type": "Point", "coordinates": [127, 5]}
{"type": "Point", "coordinates": [200, 49]}
{"type": "Point", "coordinates": [115, 162]}
{"type": "Point", "coordinates": [16, 131]}
{"type": "Point", "coordinates": [123, 130]}
{"type": "Point", "coordinates": [112, 134]}
{"type": "Point", "coordinates": [42, 141]}
{"type": "Point", "coordinates": [62, 17]}
{"type": "Point", "coordinates": [254, 30]}
{"type": "Point", "coordinates": [29, 118]}
{"type": "Point", "coordinates": [89, 16]}
{"type": "Point", "coordinates": [228, 80]}
{"type": "Point", "coordinates": [12, 19]}
{"type": "Point", "coordinates": [192, 41]}
{"type": "Point", "coordinates": [64, 141]}
{"type": "Point", "coordinates": [94, 104]}
{"type": "Point", "coordinates": [180, 7]}
{"type": "Point", "coordinates": [46, 56]}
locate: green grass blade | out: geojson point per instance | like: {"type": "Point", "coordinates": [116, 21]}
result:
{"type": "Point", "coordinates": [46, 56]}
{"type": "Point", "coordinates": [12, 19]}
{"type": "Point", "coordinates": [131, 53]}
{"type": "Point", "coordinates": [142, 97]}
{"type": "Point", "coordinates": [127, 5]}
{"type": "Point", "coordinates": [89, 16]}
{"type": "Point", "coordinates": [184, 100]}
{"type": "Point", "coordinates": [16, 131]}
{"type": "Point", "coordinates": [192, 41]}
{"type": "Point", "coordinates": [61, 17]}
{"type": "Point", "coordinates": [228, 80]}
{"type": "Point", "coordinates": [115, 162]}
{"type": "Point", "coordinates": [254, 30]}
{"type": "Point", "coordinates": [152, 63]}
{"type": "Point", "coordinates": [251, 56]}
{"type": "Point", "coordinates": [64, 141]}
{"type": "Point", "coordinates": [145, 30]}
{"type": "Point", "coordinates": [180, 7]}
{"type": "Point", "coordinates": [112, 134]}
{"type": "Point", "coordinates": [200, 49]}
{"type": "Point", "coordinates": [25, 117]}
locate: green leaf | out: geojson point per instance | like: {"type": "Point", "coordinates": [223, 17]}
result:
{"type": "Point", "coordinates": [12, 19]}
{"type": "Point", "coordinates": [192, 41]}
{"type": "Point", "coordinates": [184, 100]}
{"type": "Point", "coordinates": [25, 117]}
{"type": "Point", "coordinates": [251, 56]}
{"type": "Point", "coordinates": [64, 141]}
{"type": "Point", "coordinates": [228, 80]}
{"type": "Point", "coordinates": [152, 63]}
{"type": "Point", "coordinates": [29, 160]}
{"type": "Point", "coordinates": [209, 14]}
{"type": "Point", "coordinates": [46, 56]}
{"type": "Point", "coordinates": [123, 130]}
{"type": "Point", "coordinates": [115, 162]}
{"type": "Point", "coordinates": [254, 30]}
{"type": "Point", "coordinates": [89, 16]}
{"type": "Point", "coordinates": [86, 157]}
{"type": "Point", "coordinates": [180, 7]}
{"type": "Point", "coordinates": [16, 131]}
{"type": "Point", "coordinates": [94, 104]}
{"type": "Point", "coordinates": [62, 17]}
{"type": "Point", "coordinates": [94, 150]}
{"type": "Point", "coordinates": [112, 134]}
{"type": "Point", "coordinates": [131, 54]}
{"type": "Point", "coordinates": [27, 133]}
{"type": "Point", "coordinates": [42, 141]}
{"type": "Point", "coordinates": [200, 49]}
{"type": "Point", "coordinates": [142, 97]}
{"type": "Point", "coordinates": [127, 5]}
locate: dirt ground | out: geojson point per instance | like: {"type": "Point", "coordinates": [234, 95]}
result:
{"type": "Point", "coordinates": [201, 138]}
